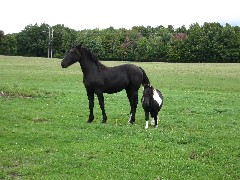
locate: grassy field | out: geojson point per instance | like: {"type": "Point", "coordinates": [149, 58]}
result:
{"type": "Point", "coordinates": [44, 134]}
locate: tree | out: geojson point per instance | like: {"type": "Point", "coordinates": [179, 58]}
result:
{"type": "Point", "coordinates": [211, 42]}
{"type": "Point", "coordinates": [8, 45]}
{"type": "Point", "coordinates": [142, 46]}
{"type": "Point", "coordinates": [1, 34]}
{"type": "Point", "coordinates": [33, 41]}
{"type": "Point", "coordinates": [63, 39]}
{"type": "Point", "coordinates": [181, 29]}
{"type": "Point", "coordinates": [92, 39]}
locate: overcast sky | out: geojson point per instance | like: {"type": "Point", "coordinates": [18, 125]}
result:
{"type": "Point", "coordinates": [90, 14]}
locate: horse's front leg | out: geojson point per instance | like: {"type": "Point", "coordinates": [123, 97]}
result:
{"type": "Point", "coordinates": [91, 105]}
{"type": "Point", "coordinates": [101, 104]}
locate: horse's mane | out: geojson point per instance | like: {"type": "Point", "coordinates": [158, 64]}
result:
{"type": "Point", "coordinates": [94, 59]}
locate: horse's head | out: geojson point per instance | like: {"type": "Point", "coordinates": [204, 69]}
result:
{"type": "Point", "coordinates": [72, 57]}
{"type": "Point", "coordinates": [147, 95]}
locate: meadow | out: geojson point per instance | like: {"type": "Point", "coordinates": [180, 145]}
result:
{"type": "Point", "coordinates": [44, 134]}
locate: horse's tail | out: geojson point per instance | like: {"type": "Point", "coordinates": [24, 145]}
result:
{"type": "Point", "coordinates": [145, 80]}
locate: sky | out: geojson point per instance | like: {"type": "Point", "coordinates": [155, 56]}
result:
{"type": "Point", "coordinates": [15, 15]}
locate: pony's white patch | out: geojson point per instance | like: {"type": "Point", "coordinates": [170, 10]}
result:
{"type": "Point", "coordinates": [146, 126]}
{"type": "Point", "coordinates": [156, 97]}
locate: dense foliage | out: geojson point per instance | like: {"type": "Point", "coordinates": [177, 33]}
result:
{"type": "Point", "coordinates": [210, 42]}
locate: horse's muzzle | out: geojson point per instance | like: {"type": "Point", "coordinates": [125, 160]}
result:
{"type": "Point", "coordinates": [63, 65]}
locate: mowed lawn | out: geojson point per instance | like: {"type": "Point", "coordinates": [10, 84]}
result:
{"type": "Point", "coordinates": [44, 134]}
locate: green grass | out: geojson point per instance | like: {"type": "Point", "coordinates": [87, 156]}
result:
{"type": "Point", "coordinates": [44, 134]}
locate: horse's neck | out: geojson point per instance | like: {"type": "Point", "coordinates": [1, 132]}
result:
{"type": "Point", "coordinates": [88, 67]}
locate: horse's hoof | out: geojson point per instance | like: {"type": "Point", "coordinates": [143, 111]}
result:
{"type": "Point", "coordinates": [104, 121]}
{"type": "Point", "coordinates": [130, 122]}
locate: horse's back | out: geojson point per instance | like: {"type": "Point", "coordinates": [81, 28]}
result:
{"type": "Point", "coordinates": [126, 67]}
{"type": "Point", "coordinates": [134, 74]}
{"type": "Point", "coordinates": [121, 77]}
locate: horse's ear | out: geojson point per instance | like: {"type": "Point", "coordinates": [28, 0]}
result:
{"type": "Point", "coordinates": [147, 85]}
{"type": "Point", "coordinates": [80, 45]}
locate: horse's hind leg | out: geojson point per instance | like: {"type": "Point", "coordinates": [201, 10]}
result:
{"type": "Point", "coordinates": [91, 105]}
{"type": "Point", "coordinates": [133, 99]}
{"type": "Point", "coordinates": [101, 104]}
{"type": "Point", "coordinates": [129, 99]}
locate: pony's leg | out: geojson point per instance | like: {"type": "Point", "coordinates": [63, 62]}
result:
{"type": "Point", "coordinates": [156, 120]}
{"type": "Point", "coordinates": [101, 104]}
{"type": "Point", "coordinates": [146, 118]}
{"type": "Point", "coordinates": [153, 122]}
{"type": "Point", "coordinates": [91, 105]}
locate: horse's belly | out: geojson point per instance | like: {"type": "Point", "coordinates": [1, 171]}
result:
{"type": "Point", "coordinates": [113, 88]}
{"type": "Point", "coordinates": [114, 85]}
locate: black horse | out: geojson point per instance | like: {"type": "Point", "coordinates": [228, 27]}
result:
{"type": "Point", "coordinates": [100, 79]}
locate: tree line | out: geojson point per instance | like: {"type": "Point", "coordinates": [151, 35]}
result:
{"type": "Point", "coordinates": [210, 42]}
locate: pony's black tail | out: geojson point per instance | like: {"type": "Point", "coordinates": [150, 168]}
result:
{"type": "Point", "coordinates": [145, 80]}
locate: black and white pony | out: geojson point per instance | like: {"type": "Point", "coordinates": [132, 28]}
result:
{"type": "Point", "coordinates": [99, 79]}
{"type": "Point", "coordinates": [152, 101]}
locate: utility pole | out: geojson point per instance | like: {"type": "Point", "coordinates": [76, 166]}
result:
{"type": "Point", "coordinates": [50, 40]}
{"type": "Point", "coordinates": [51, 43]}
